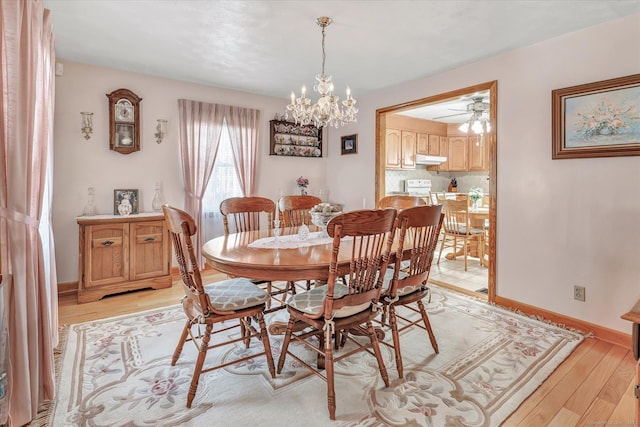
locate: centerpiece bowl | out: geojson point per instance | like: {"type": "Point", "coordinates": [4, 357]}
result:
{"type": "Point", "coordinates": [321, 215]}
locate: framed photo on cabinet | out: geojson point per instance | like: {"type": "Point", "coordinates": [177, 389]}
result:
{"type": "Point", "coordinates": [124, 121]}
{"type": "Point", "coordinates": [125, 202]}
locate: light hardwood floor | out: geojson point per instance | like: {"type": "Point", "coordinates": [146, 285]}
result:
{"type": "Point", "coordinates": [593, 387]}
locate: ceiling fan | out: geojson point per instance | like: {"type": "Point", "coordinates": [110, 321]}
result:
{"type": "Point", "coordinates": [477, 108]}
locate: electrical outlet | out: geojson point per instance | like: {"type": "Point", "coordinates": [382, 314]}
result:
{"type": "Point", "coordinates": [579, 293]}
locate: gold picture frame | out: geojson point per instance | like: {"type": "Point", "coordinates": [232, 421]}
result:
{"type": "Point", "coordinates": [600, 119]}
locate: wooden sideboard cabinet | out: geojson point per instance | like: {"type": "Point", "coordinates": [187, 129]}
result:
{"type": "Point", "coordinates": [634, 316]}
{"type": "Point", "coordinates": [122, 253]}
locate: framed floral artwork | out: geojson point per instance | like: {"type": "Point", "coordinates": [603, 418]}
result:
{"type": "Point", "coordinates": [600, 119]}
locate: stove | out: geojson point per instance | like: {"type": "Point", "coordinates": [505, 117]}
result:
{"type": "Point", "coordinates": [418, 187]}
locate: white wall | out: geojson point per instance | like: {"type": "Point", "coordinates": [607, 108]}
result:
{"type": "Point", "coordinates": [80, 164]}
{"type": "Point", "coordinates": [560, 222]}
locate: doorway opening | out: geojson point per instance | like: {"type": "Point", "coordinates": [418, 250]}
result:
{"type": "Point", "coordinates": [455, 163]}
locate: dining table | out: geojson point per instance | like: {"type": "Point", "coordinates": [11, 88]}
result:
{"type": "Point", "coordinates": [260, 255]}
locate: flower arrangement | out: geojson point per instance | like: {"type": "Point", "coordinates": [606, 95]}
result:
{"type": "Point", "coordinates": [302, 184]}
{"type": "Point", "coordinates": [604, 120]}
{"type": "Point", "coordinates": [475, 194]}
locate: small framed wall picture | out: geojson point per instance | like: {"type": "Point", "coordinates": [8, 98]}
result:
{"type": "Point", "coordinates": [349, 144]}
{"type": "Point", "coordinates": [125, 202]}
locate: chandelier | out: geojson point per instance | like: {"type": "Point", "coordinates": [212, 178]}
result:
{"type": "Point", "coordinates": [327, 111]}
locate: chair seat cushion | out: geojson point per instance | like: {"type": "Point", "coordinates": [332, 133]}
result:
{"type": "Point", "coordinates": [311, 301]}
{"type": "Point", "coordinates": [235, 294]}
{"type": "Point", "coordinates": [402, 291]}
{"type": "Point", "coordinates": [462, 230]}
{"type": "Point", "coordinates": [403, 265]}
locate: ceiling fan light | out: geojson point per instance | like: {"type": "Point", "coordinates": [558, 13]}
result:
{"type": "Point", "coordinates": [488, 126]}
{"type": "Point", "coordinates": [464, 127]}
{"type": "Point", "coordinates": [477, 127]}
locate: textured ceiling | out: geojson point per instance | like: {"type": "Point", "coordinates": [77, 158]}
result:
{"type": "Point", "coordinates": [271, 47]}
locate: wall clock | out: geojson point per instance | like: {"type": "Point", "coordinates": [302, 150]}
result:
{"type": "Point", "coordinates": [124, 121]}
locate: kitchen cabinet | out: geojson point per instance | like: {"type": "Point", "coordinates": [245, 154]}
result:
{"type": "Point", "coordinates": [122, 253]}
{"type": "Point", "coordinates": [393, 146]}
{"type": "Point", "coordinates": [408, 150]}
{"type": "Point", "coordinates": [443, 143]}
{"type": "Point", "coordinates": [428, 144]}
{"type": "Point", "coordinates": [400, 149]}
{"type": "Point", "coordinates": [458, 153]}
{"type": "Point", "coordinates": [422, 143]}
{"type": "Point", "coordinates": [478, 153]}
{"type": "Point", "coordinates": [434, 145]}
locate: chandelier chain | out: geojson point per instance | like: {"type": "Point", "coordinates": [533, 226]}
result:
{"type": "Point", "coordinates": [324, 55]}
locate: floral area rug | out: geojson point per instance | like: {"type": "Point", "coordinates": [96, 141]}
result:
{"type": "Point", "coordinates": [117, 372]}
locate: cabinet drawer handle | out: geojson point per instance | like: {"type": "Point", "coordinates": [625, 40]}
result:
{"type": "Point", "coordinates": [149, 239]}
{"type": "Point", "coordinates": [107, 243]}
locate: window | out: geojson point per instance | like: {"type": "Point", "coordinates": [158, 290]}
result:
{"type": "Point", "coordinates": [224, 183]}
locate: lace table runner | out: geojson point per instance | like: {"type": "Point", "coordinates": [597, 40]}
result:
{"type": "Point", "coordinates": [290, 241]}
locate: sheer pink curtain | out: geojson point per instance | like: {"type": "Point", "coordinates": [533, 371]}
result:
{"type": "Point", "coordinates": [200, 125]}
{"type": "Point", "coordinates": [26, 129]}
{"type": "Point", "coordinates": [243, 126]}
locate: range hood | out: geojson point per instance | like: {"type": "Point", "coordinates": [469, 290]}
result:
{"type": "Point", "coordinates": [421, 159]}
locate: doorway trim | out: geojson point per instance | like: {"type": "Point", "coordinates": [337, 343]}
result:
{"type": "Point", "coordinates": [492, 139]}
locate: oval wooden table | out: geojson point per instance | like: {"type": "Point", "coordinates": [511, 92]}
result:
{"type": "Point", "coordinates": [232, 255]}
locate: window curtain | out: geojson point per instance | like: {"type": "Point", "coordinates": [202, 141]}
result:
{"type": "Point", "coordinates": [200, 125]}
{"type": "Point", "coordinates": [26, 148]}
{"type": "Point", "coordinates": [223, 184]}
{"type": "Point", "coordinates": [243, 130]}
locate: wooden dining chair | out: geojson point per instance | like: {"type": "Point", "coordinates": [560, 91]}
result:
{"type": "Point", "coordinates": [457, 232]}
{"type": "Point", "coordinates": [294, 209]}
{"type": "Point", "coordinates": [248, 214]}
{"type": "Point", "coordinates": [207, 306]}
{"type": "Point", "coordinates": [417, 233]}
{"type": "Point", "coordinates": [400, 202]}
{"type": "Point", "coordinates": [316, 316]}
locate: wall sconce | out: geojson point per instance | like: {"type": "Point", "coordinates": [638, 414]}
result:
{"type": "Point", "coordinates": [161, 130]}
{"type": "Point", "coordinates": [87, 124]}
